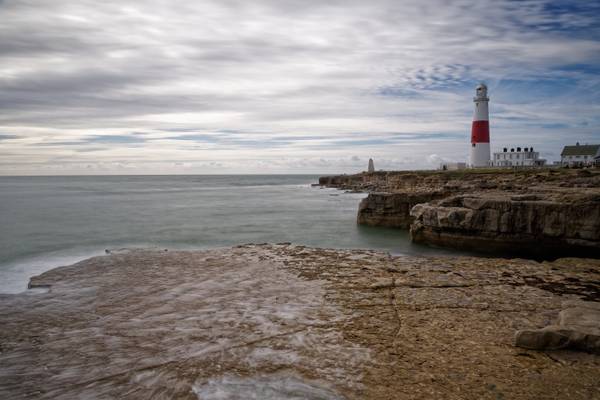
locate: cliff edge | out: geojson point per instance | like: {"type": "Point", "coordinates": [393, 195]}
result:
{"type": "Point", "coordinates": [538, 213]}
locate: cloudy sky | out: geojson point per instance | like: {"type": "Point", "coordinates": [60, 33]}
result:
{"type": "Point", "coordinates": [277, 86]}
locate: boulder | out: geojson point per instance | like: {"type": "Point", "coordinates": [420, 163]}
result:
{"type": "Point", "coordinates": [577, 328]}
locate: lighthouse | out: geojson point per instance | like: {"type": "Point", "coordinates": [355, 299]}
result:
{"type": "Point", "coordinates": [371, 167]}
{"type": "Point", "coordinates": [480, 130]}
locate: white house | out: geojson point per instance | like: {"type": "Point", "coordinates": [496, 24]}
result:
{"type": "Point", "coordinates": [580, 155]}
{"type": "Point", "coordinates": [453, 166]}
{"type": "Point", "coordinates": [525, 157]}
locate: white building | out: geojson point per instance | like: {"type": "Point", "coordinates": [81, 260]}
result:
{"type": "Point", "coordinates": [580, 155]}
{"type": "Point", "coordinates": [525, 157]}
{"type": "Point", "coordinates": [453, 166]}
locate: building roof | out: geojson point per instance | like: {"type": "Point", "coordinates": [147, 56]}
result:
{"type": "Point", "coordinates": [581, 150]}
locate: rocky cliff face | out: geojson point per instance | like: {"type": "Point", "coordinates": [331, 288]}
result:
{"type": "Point", "coordinates": [392, 209]}
{"type": "Point", "coordinates": [540, 213]}
{"type": "Point", "coordinates": [523, 224]}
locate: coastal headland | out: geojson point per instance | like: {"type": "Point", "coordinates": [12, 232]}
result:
{"type": "Point", "coordinates": [540, 213]}
{"type": "Point", "coordinates": [288, 321]}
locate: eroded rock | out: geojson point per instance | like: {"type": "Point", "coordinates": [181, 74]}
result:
{"type": "Point", "coordinates": [495, 222]}
{"type": "Point", "coordinates": [392, 209]}
{"type": "Point", "coordinates": [577, 327]}
{"type": "Point", "coordinates": [536, 213]}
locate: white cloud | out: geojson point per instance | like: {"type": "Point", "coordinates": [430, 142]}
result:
{"type": "Point", "coordinates": [285, 86]}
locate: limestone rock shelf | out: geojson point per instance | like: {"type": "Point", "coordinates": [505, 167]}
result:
{"type": "Point", "coordinates": [501, 223]}
{"type": "Point", "coordinates": [270, 321]}
{"type": "Point", "coordinates": [534, 213]}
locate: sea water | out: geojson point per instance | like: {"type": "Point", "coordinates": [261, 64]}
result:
{"type": "Point", "coordinates": [47, 222]}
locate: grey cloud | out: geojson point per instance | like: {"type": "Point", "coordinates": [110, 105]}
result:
{"type": "Point", "coordinates": [118, 139]}
{"type": "Point", "coordinates": [195, 138]}
{"type": "Point", "coordinates": [90, 149]}
{"type": "Point", "coordinates": [236, 140]}
{"type": "Point", "coordinates": [58, 143]}
{"type": "Point", "coordinates": [7, 137]}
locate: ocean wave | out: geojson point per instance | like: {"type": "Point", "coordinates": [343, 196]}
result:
{"type": "Point", "coordinates": [15, 274]}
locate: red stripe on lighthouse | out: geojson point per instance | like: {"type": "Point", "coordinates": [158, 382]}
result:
{"type": "Point", "coordinates": [480, 132]}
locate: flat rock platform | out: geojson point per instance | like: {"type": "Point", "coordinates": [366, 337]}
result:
{"type": "Point", "coordinates": [285, 321]}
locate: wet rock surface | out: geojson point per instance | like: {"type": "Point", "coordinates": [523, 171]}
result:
{"type": "Point", "coordinates": [273, 387]}
{"type": "Point", "coordinates": [333, 324]}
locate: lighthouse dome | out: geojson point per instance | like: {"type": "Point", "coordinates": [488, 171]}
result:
{"type": "Point", "coordinates": [481, 92]}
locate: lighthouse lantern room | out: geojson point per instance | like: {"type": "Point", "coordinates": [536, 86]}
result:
{"type": "Point", "coordinates": [480, 130]}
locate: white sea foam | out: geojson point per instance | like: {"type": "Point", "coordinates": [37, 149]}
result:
{"type": "Point", "coordinates": [15, 275]}
{"type": "Point", "coordinates": [262, 387]}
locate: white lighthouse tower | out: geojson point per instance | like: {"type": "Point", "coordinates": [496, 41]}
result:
{"type": "Point", "coordinates": [480, 131]}
{"type": "Point", "coordinates": [371, 167]}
